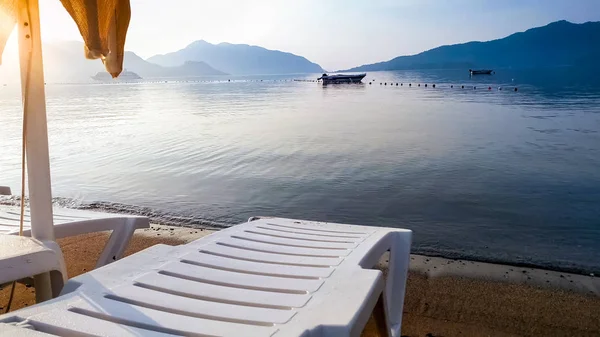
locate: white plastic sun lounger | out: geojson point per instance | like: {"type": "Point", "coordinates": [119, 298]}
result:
{"type": "Point", "coordinates": [70, 222]}
{"type": "Point", "coordinates": [267, 277]}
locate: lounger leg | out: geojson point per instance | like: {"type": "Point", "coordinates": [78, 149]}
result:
{"type": "Point", "coordinates": [117, 243]}
{"type": "Point", "coordinates": [49, 285]}
{"type": "Point", "coordinates": [381, 319]}
{"type": "Point", "coordinates": [58, 282]}
{"type": "Point", "coordinates": [43, 287]}
{"type": "Point", "coordinates": [396, 281]}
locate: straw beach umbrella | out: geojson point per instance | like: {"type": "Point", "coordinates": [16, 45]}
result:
{"type": "Point", "coordinates": [103, 25]}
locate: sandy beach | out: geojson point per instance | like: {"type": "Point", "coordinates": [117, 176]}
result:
{"type": "Point", "coordinates": [444, 297]}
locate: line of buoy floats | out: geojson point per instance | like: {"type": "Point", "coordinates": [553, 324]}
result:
{"type": "Point", "coordinates": [401, 84]}
{"type": "Point", "coordinates": [473, 87]}
{"type": "Point", "coordinates": [186, 81]}
{"type": "Point", "coordinates": [174, 81]}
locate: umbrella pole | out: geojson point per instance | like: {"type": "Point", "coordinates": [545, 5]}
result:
{"type": "Point", "coordinates": [36, 133]}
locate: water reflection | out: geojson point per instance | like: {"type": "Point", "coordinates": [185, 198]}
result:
{"type": "Point", "coordinates": [493, 174]}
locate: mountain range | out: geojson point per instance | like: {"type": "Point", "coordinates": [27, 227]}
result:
{"type": "Point", "coordinates": [560, 43]}
{"type": "Point", "coordinates": [64, 62]}
{"type": "Point", "coordinates": [239, 59]}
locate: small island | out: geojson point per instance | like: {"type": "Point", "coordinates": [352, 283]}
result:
{"type": "Point", "coordinates": [125, 76]}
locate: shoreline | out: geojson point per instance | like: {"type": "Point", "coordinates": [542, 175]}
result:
{"type": "Point", "coordinates": [526, 265]}
{"type": "Point", "coordinates": [158, 218]}
{"type": "Point", "coordinates": [206, 224]}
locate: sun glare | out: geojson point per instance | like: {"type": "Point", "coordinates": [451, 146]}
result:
{"type": "Point", "coordinates": [12, 45]}
{"type": "Point", "coordinates": [11, 50]}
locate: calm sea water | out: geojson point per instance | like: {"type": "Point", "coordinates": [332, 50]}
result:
{"type": "Point", "coordinates": [493, 175]}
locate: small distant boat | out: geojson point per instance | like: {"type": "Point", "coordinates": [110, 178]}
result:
{"type": "Point", "coordinates": [481, 72]}
{"type": "Point", "coordinates": [341, 78]}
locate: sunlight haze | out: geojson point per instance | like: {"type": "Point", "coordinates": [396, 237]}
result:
{"type": "Point", "coordinates": [336, 34]}
{"type": "Point", "coordinates": [300, 167]}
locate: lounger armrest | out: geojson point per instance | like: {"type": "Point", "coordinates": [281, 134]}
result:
{"type": "Point", "coordinates": [22, 257]}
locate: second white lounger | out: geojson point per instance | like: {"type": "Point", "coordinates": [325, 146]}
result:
{"type": "Point", "coordinates": [71, 222]}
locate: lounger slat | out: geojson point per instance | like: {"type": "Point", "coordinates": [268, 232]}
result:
{"type": "Point", "coordinates": [11, 215]}
{"type": "Point", "coordinates": [7, 220]}
{"type": "Point", "coordinates": [324, 227]}
{"type": "Point", "coordinates": [301, 236]}
{"type": "Point", "coordinates": [309, 231]}
{"type": "Point", "coordinates": [199, 308]}
{"type": "Point", "coordinates": [283, 250]}
{"type": "Point", "coordinates": [271, 258]}
{"type": "Point", "coordinates": [151, 319]}
{"type": "Point", "coordinates": [8, 228]}
{"type": "Point", "coordinates": [62, 322]}
{"type": "Point", "coordinates": [222, 293]}
{"type": "Point", "coordinates": [226, 263]}
{"type": "Point", "coordinates": [292, 242]}
{"type": "Point", "coordinates": [240, 280]}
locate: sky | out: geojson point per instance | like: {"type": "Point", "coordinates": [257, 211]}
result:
{"type": "Point", "coordinates": [336, 34]}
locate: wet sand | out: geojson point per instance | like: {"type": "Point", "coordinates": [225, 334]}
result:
{"type": "Point", "coordinates": [444, 297]}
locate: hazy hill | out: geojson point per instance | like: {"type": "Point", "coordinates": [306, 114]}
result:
{"type": "Point", "coordinates": [147, 69]}
{"type": "Point", "coordinates": [238, 59]}
{"type": "Point", "coordinates": [65, 62]}
{"type": "Point", "coordinates": [560, 43]}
